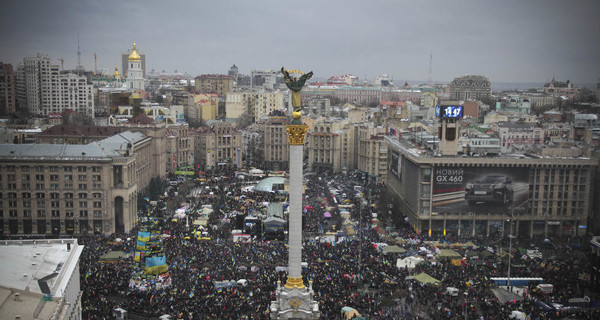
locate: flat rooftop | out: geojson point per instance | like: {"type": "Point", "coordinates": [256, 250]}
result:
{"type": "Point", "coordinates": [24, 262]}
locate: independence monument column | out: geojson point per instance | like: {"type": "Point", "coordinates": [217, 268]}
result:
{"type": "Point", "coordinates": [294, 299]}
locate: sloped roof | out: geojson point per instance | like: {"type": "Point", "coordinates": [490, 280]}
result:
{"type": "Point", "coordinates": [114, 146]}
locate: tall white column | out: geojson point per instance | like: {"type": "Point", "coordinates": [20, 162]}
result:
{"type": "Point", "coordinates": [295, 215]}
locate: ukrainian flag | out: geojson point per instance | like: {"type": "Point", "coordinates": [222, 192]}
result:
{"type": "Point", "coordinates": [143, 236]}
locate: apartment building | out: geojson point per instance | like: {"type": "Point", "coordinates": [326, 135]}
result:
{"type": "Point", "coordinates": [7, 89]}
{"type": "Point", "coordinates": [43, 90]}
{"type": "Point", "coordinates": [330, 146]}
{"type": "Point", "coordinates": [372, 152]}
{"type": "Point", "coordinates": [219, 84]}
{"type": "Point", "coordinates": [275, 143]}
{"type": "Point", "coordinates": [218, 146]}
{"type": "Point", "coordinates": [265, 102]}
{"type": "Point", "coordinates": [179, 146]}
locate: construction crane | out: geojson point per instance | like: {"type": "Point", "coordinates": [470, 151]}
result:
{"type": "Point", "coordinates": [62, 64]}
{"type": "Point", "coordinates": [95, 64]}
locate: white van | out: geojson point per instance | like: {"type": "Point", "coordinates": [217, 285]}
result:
{"type": "Point", "coordinates": [452, 291]}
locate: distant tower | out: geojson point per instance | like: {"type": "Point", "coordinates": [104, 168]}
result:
{"type": "Point", "coordinates": [78, 52]}
{"type": "Point", "coordinates": [135, 79]}
{"type": "Point", "coordinates": [233, 71]}
{"type": "Point", "coordinates": [430, 68]}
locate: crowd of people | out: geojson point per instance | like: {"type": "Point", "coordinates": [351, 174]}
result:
{"type": "Point", "coordinates": [349, 271]}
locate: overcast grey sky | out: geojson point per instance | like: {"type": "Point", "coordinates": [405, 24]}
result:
{"type": "Point", "coordinates": [507, 41]}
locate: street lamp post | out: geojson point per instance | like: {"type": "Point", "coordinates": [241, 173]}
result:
{"type": "Point", "coordinates": [510, 236]}
{"type": "Point", "coordinates": [509, 255]}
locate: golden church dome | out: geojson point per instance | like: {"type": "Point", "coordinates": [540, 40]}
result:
{"type": "Point", "coordinates": [134, 56]}
{"type": "Point", "coordinates": [116, 74]}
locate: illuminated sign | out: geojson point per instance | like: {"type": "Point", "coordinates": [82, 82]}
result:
{"type": "Point", "coordinates": [451, 112]}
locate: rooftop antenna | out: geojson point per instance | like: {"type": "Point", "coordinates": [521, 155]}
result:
{"type": "Point", "coordinates": [430, 68]}
{"type": "Point", "coordinates": [78, 53]}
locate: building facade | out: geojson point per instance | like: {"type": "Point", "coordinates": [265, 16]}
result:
{"type": "Point", "coordinates": [219, 84]}
{"type": "Point", "coordinates": [318, 106]}
{"type": "Point", "coordinates": [511, 133]}
{"type": "Point", "coordinates": [7, 89]}
{"type": "Point", "coordinates": [514, 103]}
{"type": "Point", "coordinates": [372, 152]}
{"type": "Point", "coordinates": [265, 102]}
{"type": "Point", "coordinates": [219, 146]}
{"type": "Point", "coordinates": [559, 88]}
{"type": "Point", "coordinates": [332, 146]}
{"type": "Point", "coordinates": [470, 87]}
{"type": "Point", "coordinates": [490, 196]}
{"type": "Point", "coordinates": [275, 143]}
{"type": "Point", "coordinates": [50, 189]}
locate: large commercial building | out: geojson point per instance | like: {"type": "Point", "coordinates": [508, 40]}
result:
{"type": "Point", "coordinates": [7, 89]}
{"type": "Point", "coordinates": [470, 87]}
{"type": "Point", "coordinates": [534, 196]}
{"type": "Point", "coordinates": [43, 90]}
{"type": "Point", "coordinates": [74, 189]}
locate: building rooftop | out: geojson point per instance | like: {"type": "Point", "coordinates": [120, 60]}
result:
{"type": "Point", "coordinates": [77, 130]}
{"type": "Point", "coordinates": [114, 146]}
{"type": "Point", "coordinates": [32, 268]}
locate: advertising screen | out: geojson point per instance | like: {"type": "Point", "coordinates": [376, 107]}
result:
{"type": "Point", "coordinates": [479, 190]}
{"type": "Point", "coordinates": [451, 112]}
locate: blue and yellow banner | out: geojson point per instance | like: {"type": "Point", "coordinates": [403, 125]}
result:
{"type": "Point", "coordinates": [143, 236]}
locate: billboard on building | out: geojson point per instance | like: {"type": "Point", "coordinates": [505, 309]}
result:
{"type": "Point", "coordinates": [410, 184]}
{"type": "Point", "coordinates": [395, 165]}
{"type": "Point", "coordinates": [479, 190]}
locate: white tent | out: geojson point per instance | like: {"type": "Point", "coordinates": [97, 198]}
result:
{"type": "Point", "coordinates": [408, 262]}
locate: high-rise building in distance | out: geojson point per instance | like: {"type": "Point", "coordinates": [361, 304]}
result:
{"type": "Point", "coordinates": [7, 89]}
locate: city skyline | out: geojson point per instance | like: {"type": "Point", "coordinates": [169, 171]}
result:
{"type": "Point", "coordinates": [508, 41]}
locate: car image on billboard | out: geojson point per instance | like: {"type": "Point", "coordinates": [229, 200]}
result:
{"type": "Point", "coordinates": [479, 190]}
{"type": "Point", "coordinates": [492, 188]}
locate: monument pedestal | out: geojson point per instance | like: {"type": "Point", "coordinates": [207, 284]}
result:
{"type": "Point", "coordinates": [295, 303]}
